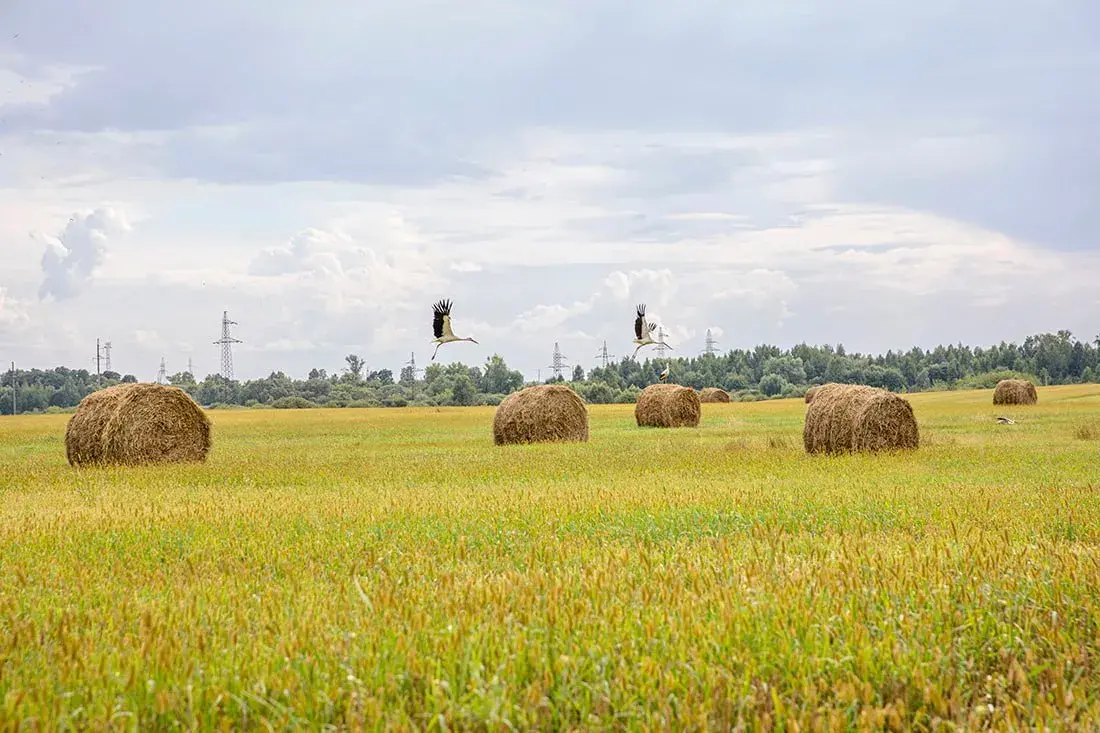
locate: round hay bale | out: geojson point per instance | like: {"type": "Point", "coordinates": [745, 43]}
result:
{"type": "Point", "coordinates": [809, 396]}
{"type": "Point", "coordinates": [667, 406]}
{"type": "Point", "coordinates": [542, 413]}
{"type": "Point", "coordinates": [1015, 392]}
{"type": "Point", "coordinates": [713, 394]}
{"type": "Point", "coordinates": [850, 417]}
{"type": "Point", "coordinates": [136, 423]}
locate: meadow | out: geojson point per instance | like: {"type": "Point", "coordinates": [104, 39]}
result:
{"type": "Point", "coordinates": [393, 569]}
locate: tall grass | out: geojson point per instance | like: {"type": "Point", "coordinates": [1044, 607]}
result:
{"type": "Point", "coordinates": [393, 568]}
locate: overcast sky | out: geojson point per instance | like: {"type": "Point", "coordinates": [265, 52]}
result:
{"type": "Point", "coordinates": [877, 173]}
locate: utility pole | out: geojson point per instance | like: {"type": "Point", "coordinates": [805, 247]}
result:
{"type": "Point", "coordinates": [710, 344]}
{"type": "Point", "coordinates": [98, 371]}
{"type": "Point", "coordinates": [162, 375]}
{"type": "Point", "coordinates": [14, 406]}
{"type": "Point", "coordinates": [226, 342]}
{"type": "Point", "coordinates": [604, 356]}
{"type": "Point", "coordinates": [662, 350]}
{"type": "Point", "coordinates": [106, 356]}
{"type": "Point", "coordinates": [558, 362]}
{"type": "Point", "coordinates": [411, 364]}
{"type": "Point", "coordinates": [190, 367]}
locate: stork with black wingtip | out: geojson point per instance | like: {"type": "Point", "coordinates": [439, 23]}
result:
{"type": "Point", "coordinates": [643, 332]}
{"type": "Point", "coordinates": [441, 326]}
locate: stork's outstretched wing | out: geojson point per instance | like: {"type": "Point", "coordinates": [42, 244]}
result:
{"type": "Point", "coordinates": [639, 323]}
{"type": "Point", "coordinates": [442, 311]}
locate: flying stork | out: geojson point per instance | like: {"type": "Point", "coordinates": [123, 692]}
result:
{"type": "Point", "coordinates": [441, 325]}
{"type": "Point", "coordinates": [643, 332]}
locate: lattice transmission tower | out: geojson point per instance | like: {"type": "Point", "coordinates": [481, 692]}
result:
{"type": "Point", "coordinates": [558, 362]}
{"type": "Point", "coordinates": [226, 342]}
{"type": "Point", "coordinates": [162, 373]}
{"type": "Point", "coordinates": [603, 356]}
{"type": "Point", "coordinates": [710, 349]}
{"type": "Point", "coordinates": [662, 350]}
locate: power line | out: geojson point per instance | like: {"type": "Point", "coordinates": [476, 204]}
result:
{"type": "Point", "coordinates": [558, 362]}
{"type": "Point", "coordinates": [604, 356]}
{"type": "Point", "coordinates": [226, 342]}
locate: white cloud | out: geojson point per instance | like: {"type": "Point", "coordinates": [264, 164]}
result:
{"type": "Point", "coordinates": [13, 313]}
{"type": "Point", "coordinates": [544, 318]}
{"type": "Point", "coordinates": [71, 258]}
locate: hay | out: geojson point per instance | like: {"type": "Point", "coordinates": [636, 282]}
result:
{"type": "Point", "coordinates": [850, 417]}
{"type": "Point", "coordinates": [713, 394]}
{"type": "Point", "coordinates": [1015, 392]}
{"type": "Point", "coordinates": [809, 396]}
{"type": "Point", "coordinates": [133, 424]}
{"type": "Point", "coordinates": [667, 406]}
{"type": "Point", "coordinates": [543, 413]}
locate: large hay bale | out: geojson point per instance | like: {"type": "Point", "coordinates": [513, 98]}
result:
{"type": "Point", "coordinates": [136, 423]}
{"type": "Point", "coordinates": [851, 417]}
{"type": "Point", "coordinates": [542, 413]}
{"type": "Point", "coordinates": [1015, 392]}
{"type": "Point", "coordinates": [667, 406]}
{"type": "Point", "coordinates": [809, 396]}
{"type": "Point", "coordinates": [713, 394]}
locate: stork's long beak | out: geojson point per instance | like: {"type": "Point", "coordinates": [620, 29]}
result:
{"type": "Point", "coordinates": [472, 341]}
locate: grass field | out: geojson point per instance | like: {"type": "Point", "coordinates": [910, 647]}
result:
{"type": "Point", "coordinates": [394, 569]}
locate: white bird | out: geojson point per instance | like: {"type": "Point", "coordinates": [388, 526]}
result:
{"type": "Point", "coordinates": [664, 374]}
{"type": "Point", "coordinates": [643, 331]}
{"type": "Point", "coordinates": [441, 325]}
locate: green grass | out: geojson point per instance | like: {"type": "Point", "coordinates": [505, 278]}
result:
{"type": "Point", "coordinates": [392, 568]}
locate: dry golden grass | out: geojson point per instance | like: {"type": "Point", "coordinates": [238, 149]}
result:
{"type": "Point", "coordinates": [393, 568]}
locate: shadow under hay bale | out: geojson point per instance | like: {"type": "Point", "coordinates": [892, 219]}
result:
{"type": "Point", "coordinates": [1015, 392]}
{"type": "Point", "coordinates": [849, 417]}
{"type": "Point", "coordinates": [713, 394]}
{"type": "Point", "coordinates": [667, 406]}
{"type": "Point", "coordinates": [543, 413]}
{"type": "Point", "coordinates": [134, 424]}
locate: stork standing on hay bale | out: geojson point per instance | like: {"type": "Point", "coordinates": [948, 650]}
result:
{"type": "Point", "coordinates": [643, 332]}
{"type": "Point", "coordinates": [441, 325]}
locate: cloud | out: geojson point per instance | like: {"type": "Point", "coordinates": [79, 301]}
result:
{"type": "Point", "coordinates": [656, 286]}
{"type": "Point", "coordinates": [72, 257]}
{"type": "Point", "coordinates": [543, 318]}
{"type": "Point", "coordinates": [13, 313]}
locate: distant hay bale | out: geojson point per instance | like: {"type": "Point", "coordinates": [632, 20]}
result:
{"type": "Point", "coordinates": [136, 423]}
{"type": "Point", "coordinates": [1015, 392]}
{"type": "Point", "coordinates": [667, 406]}
{"type": "Point", "coordinates": [542, 413]}
{"type": "Point", "coordinates": [851, 417]}
{"type": "Point", "coordinates": [713, 394]}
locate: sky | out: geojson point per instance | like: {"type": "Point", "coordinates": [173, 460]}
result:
{"type": "Point", "coordinates": [875, 173]}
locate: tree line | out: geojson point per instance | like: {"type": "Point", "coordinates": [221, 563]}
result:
{"type": "Point", "coordinates": [763, 372]}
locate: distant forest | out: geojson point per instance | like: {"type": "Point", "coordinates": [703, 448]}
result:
{"type": "Point", "coordinates": [764, 372]}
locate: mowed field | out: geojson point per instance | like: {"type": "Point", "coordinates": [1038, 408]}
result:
{"type": "Point", "coordinates": [392, 568]}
